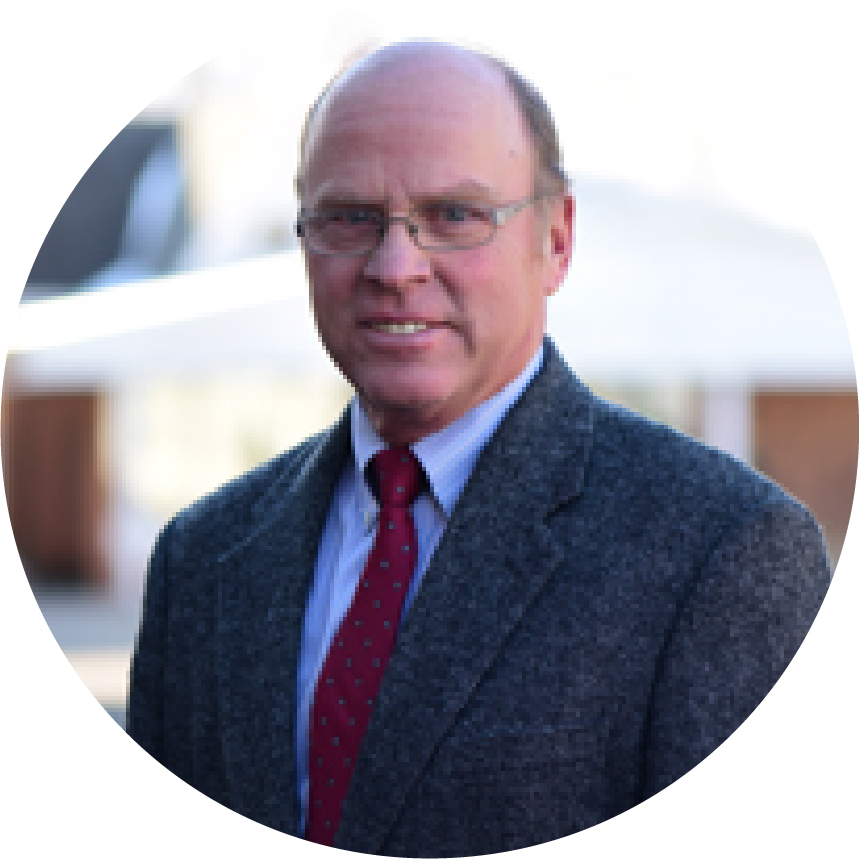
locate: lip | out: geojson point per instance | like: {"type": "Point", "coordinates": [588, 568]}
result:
{"type": "Point", "coordinates": [398, 340]}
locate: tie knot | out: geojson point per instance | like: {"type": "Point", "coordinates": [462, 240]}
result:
{"type": "Point", "coordinates": [398, 476]}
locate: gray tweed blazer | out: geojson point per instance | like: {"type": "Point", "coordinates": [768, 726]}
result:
{"type": "Point", "coordinates": [609, 602]}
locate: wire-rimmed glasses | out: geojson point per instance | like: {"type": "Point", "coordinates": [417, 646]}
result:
{"type": "Point", "coordinates": [447, 225]}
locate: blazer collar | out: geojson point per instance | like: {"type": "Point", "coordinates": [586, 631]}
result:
{"type": "Point", "coordinates": [541, 451]}
{"type": "Point", "coordinates": [496, 555]}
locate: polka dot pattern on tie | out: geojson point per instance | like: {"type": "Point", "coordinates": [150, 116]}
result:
{"type": "Point", "coordinates": [350, 678]}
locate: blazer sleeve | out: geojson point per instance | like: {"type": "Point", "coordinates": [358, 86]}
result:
{"type": "Point", "coordinates": [145, 716]}
{"type": "Point", "coordinates": [739, 626]}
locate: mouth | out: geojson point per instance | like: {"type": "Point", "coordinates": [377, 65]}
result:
{"type": "Point", "coordinates": [403, 337]}
{"type": "Point", "coordinates": [399, 327]}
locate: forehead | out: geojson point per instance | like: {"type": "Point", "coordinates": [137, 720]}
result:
{"type": "Point", "coordinates": [418, 123]}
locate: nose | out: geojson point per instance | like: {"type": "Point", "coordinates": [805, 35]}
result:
{"type": "Point", "coordinates": [397, 260]}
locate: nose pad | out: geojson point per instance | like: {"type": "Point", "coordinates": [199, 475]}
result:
{"type": "Point", "coordinates": [411, 229]}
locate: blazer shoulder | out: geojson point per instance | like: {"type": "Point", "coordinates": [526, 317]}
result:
{"type": "Point", "coordinates": [700, 504]}
{"type": "Point", "coordinates": [672, 469]}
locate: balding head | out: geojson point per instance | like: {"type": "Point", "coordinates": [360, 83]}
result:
{"type": "Point", "coordinates": [451, 68]}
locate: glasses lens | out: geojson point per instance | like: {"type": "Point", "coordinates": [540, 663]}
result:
{"type": "Point", "coordinates": [342, 230]}
{"type": "Point", "coordinates": [452, 225]}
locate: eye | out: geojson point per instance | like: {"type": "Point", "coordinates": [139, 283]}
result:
{"type": "Point", "coordinates": [450, 213]}
{"type": "Point", "coordinates": [340, 218]}
{"type": "Point", "coordinates": [359, 217]}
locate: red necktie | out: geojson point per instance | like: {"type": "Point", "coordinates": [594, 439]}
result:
{"type": "Point", "coordinates": [360, 650]}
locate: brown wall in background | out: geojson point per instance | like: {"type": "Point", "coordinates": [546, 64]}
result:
{"type": "Point", "coordinates": [53, 486]}
{"type": "Point", "coordinates": [807, 442]}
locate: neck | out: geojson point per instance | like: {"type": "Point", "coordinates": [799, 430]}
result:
{"type": "Point", "coordinates": [405, 426]}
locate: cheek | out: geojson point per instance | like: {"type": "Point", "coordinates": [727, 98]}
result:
{"type": "Point", "coordinates": [492, 287]}
{"type": "Point", "coordinates": [471, 281]}
{"type": "Point", "coordinates": [330, 281]}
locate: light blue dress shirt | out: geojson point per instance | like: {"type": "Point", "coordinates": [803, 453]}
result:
{"type": "Point", "coordinates": [448, 458]}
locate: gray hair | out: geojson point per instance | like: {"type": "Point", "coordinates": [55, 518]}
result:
{"type": "Point", "coordinates": [550, 177]}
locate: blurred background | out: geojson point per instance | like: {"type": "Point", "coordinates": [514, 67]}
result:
{"type": "Point", "coordinates": [163, 343]}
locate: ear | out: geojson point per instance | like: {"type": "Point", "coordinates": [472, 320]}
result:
{"type": "Point", "coordinates": [560, 242]}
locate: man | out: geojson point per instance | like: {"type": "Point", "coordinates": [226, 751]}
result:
{"type": "Point", "coordinates": [576, 607]}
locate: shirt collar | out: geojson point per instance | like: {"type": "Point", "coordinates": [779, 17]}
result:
{"type": "Point", "coordinates": [449, 455]}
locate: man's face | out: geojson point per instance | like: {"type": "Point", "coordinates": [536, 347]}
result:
{"type": "Point", "coordinates": [430, 127]}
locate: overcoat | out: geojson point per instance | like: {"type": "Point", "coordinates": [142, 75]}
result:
{"type": "Point", "coordinates": [609, 601]}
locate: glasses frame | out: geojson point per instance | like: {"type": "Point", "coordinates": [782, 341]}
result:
{"type": "Point", "coordinates": [500, 215]}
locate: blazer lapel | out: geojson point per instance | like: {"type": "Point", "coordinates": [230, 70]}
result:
{"type": "Point", "coordinates": [263, 588]}
{"type": "Point", "coordinates": [496, 555]}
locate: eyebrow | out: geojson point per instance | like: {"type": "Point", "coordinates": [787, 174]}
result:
{"type": "Point", "coordinates": [329, 196]}
{"type": "Point", "coordinates": [469, 190]}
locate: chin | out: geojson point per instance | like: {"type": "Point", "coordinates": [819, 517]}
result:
{"type": "Point", "coordinates": [407, 385]}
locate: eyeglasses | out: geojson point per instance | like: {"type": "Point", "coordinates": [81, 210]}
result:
{"type": "Point", "coordinates": [437, 226]}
